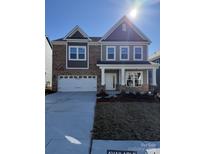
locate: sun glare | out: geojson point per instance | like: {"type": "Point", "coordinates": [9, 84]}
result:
{"type": "Point", "coordinates": [133, 13]}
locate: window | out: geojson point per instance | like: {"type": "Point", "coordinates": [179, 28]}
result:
{"type": "Point", "coordinates": [77, 53]}
{"type": "Point", "coordinates": [81, 53]}
{"type": "Point", "coordinates": [138, 53]}
{"type": "Point", "coordinates": [73, 53]}
{"type": "Point", "coordinates": [130, 80]}
{"type": "Point", "coordinates": [110, 53]}
{"type": "Point", "coordinates": [138, 79]}
{"type": "Point", "coordinates": [134, 79]}
{"type": "Point", "coordinates": [124, 53]}
{"type": "Point", "coordinates": [124, 28]}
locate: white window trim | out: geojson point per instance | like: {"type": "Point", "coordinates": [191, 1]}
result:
{"type": "Point", "coordinates": [128, 51]}
{"type": "Point", "coordinates": [73, 68]}
{"type": "Point", "coordinates": [107, 53]}
{"type": "Point", "coordinates": [141, 52]}
{"type": "Point", "coordinates": [132, 72]}
{"type": "Point", "coordinates": [77, 53]}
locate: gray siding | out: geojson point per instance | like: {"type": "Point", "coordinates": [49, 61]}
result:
{"type": "Point", "coordinates": [77, 64]}
{"type": "Point", "coordinates": [128, 35]}
{"type": "Point", "coordinates": [131, 58]}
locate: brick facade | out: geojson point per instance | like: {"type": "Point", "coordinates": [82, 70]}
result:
{"type": "Point", "coordinates": [59, 63]}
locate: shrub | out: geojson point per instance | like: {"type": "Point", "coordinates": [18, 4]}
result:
{"type": "Point", "coordinates": [102, 93]}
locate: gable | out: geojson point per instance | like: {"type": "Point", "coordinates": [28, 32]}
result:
{"type": "Point", "coordinates": [120, 35]}
{"type": "Point", "coordinates": [125, 30]}
{"type": "Point", "coordinates": [77, 35]}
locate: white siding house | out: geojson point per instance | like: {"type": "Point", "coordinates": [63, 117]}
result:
{"type": "Point", "coordinates": [48, 64]}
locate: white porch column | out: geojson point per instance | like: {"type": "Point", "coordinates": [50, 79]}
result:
{"type": "Point", "coordinates": [122, 76]}
{"type": "Point", "coordinates": [102, 76]}
{"type": "Point", "coordinates": [154, 83]}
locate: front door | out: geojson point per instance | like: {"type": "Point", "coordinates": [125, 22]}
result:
{"type": "Point", "coordinates": [110, 81]}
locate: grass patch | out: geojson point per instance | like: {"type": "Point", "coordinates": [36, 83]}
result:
{"type": "Point", "coordinates": [127, 121]}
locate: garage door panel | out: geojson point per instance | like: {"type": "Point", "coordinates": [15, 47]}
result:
{"type": "Point", "coordinates": [77, 84]}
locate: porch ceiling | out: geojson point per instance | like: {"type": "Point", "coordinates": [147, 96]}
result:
{"type": "Point", "coordinates": [128, 66]}
{"type": "Point", "coordinates": [123, 62]}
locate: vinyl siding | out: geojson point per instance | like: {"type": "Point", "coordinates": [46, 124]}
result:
{"type": "Point", "coordinates": [131, 57]}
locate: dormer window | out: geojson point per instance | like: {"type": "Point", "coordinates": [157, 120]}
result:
{"type": "Point", "coordinates": [124, 27]}
{"type": "Point", "coordinates": [138, 54]}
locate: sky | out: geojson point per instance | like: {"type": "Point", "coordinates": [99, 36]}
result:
{"type": "Point", "coordinates": [96, 17]}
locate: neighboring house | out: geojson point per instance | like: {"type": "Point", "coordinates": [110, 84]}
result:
{"type": "Point", "coordinates": [116, 61]}
{"type": "Point", "coordinates": [48, 63]}
{"type": "Point", "coordinates": [155, 58]}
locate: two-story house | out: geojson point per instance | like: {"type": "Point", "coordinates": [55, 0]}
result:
{"type": "Point", "coordinates": [116, 61]}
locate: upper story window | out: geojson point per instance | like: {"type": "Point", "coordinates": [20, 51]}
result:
{"type": "Point", "coordinates": [124, 27]}
{"type": "Point", "coordinates": [124, 53]}
{"type": "Point", "coordinates": [77, 53]}
{"type": "Point", "coordinates": [81, 53]}
{"type": "Point", "coordinates": [73, 53]}
{"type": "Point", "coordinates": [110, 53]}
{"type": "Point", "coordinates": [138, 53]}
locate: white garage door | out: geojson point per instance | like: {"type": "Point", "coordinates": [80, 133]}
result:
{"type": "Point", "coordinates": [77, 83]}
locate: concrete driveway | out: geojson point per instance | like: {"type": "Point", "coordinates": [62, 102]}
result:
{"type": "Point", "coordinates": [69, 120]}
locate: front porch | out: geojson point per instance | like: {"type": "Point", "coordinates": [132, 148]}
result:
{"type": "Point", "coordinates": [129, 78]}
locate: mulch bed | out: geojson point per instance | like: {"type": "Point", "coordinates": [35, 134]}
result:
{"type": "Point", "coordinates": [127, 121]}
{"type": "Point", "coordinates": [130, 97]}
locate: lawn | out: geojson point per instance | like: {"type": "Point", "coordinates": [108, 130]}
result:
{"type": "Point", "coordinates": [127, 121]}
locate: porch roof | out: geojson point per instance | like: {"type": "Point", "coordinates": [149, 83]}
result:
{"type": "Point", "coordinates": [127, 65]}
{"type": "Point", "coordinates": [123, 62]}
